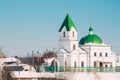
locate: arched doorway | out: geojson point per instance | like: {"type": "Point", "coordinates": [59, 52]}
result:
{"type": "Point", "coordinates": [54, 66]}
{"type": "Point", "coordinates": [75, 64]}
{"type": "Point", "coordinates": [82, 64]}
{"type": "Point", "coordinates": [65, 65]}
{"type": "Point", "coordinates": [101, 66]}
{"type": "Point", "coordinates": [95, 64]}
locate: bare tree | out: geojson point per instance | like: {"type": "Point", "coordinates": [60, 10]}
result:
{"type": "Point", "coordinates": [49, 54]}
{"type": "Point", "coordinates": [2, 55]}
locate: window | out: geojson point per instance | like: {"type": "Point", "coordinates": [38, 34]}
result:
{"type": "Point", "coordinates": [82, 64]}
{"type": "Point", "coordinates": [106, 65]}
{"type": "Point", "coordinates": [106, 55]}
{"type": "Point", "coordinates": [74, 47]}
{"type": "Point", "coordinates": [64, 34]}
{"type": "Point", "coordinates": [65, 64]}
{"type": "Point", "coordinates": [111, 65]}
{"type": "Point", "coordinates": [73, 34]}
{"type": "Point", "coordinates": [95, 54]}
{"type": "Point", "coordinates": [95, 65]}
{"type": "Point", "coordinates": [117, 59]}
{"type": "Point", "coordinates": [26, 69]}
{"type": "Point", "coordinates": [75, 65]}
{"type": "Point", "coordinates": [100, 54]}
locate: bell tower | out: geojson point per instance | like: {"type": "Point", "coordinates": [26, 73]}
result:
{"type": "Point", "coordinates": [68, 35]}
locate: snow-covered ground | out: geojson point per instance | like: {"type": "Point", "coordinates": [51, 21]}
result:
{"type": "Point", "coordinates": [90, 76]}
{"type": "Point", "coordinates": [69, 75]}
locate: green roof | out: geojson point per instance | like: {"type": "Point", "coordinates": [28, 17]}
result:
{"type": "Point", "coordinates": [90, 38]}
{"type": "Point", "coordinates": [68, 23]}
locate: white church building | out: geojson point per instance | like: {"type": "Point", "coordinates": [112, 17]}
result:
{"type": "Point", "coordinates": [90, 53]}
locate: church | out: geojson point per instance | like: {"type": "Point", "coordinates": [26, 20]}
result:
{"type": "Point", "coordinates": [88, 53]}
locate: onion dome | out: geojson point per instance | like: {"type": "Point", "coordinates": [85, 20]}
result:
{"type": "Point", "coordinates": [90, 38]}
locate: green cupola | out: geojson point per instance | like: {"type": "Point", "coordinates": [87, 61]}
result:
{"type": "Point", "coordinates": [90, 29]}
{"type": "Point", "coordinates": [68, 24]}
{"type": "Point", "coordinates": [90, 38]}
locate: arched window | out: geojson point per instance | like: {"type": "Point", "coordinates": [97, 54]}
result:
{"type": "Point", "coordinates": [117, 59]}
{"type": "Point", "coordinates": [74, 47]}
{"type": "Point", "coordinates": [111, 65]}
{"type": "Point", "coordinates": [95, 65]}
{"type": "Point", "coordinates": [106, 65]}
{"type": "Point", "coordinates": [65, 64]}
{"type": "Point", "coordinates": [73, 34]}
{"type": "Point", "coordinates": [106, 55]}
{"type": "Point", "coordinates": [82, 64]}
{"type": "Point", "coordinates": [100, 54]}
{"type": "Point", "coordinates": [64, 34]}
{"type": "Point", "coordinates": [95, 54]}
{"type": "Point", "coordinates": [75, 65]}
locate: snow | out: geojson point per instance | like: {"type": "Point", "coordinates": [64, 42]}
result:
{"type": "Point", "coordinates": [29, 74]}
{"type": "Point", "coordinates": [69, 75]}
{"type": "Point", "coordinates": [3, 60]}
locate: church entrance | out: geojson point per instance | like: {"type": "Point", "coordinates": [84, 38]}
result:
{"type": "Point", "coordinates": [101, 66]}
{"type": "Point", "coordinates": [54, 66]}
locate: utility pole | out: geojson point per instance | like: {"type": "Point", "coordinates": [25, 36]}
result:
{"type": "Point", "coordinates": [38, 60]}
{"type": "Point", "coordinates": [54, 60]}
{"type": "Point", "coordinates": [46, 57]}
{"type": "Point", "coordinates": [33, 58]}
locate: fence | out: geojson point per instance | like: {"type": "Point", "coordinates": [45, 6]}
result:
{"type": "Point", "coordinates": [89, 69]}
{"type": "Point", "coordinates": [79, 69]}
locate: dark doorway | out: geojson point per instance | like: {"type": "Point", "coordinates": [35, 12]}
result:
{"type": "Point", "coordinates": [101, 66]}
{"type": "Point", "coordinates": [54, 65]}
{"type": "Point", "coordinates": [75, 65]}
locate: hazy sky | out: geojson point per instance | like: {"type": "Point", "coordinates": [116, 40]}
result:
{"type": "Point", "coordinates": [27, 25]}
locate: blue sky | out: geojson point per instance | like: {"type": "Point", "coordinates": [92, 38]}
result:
{"type": "Point", "coordinates": [27, 25]}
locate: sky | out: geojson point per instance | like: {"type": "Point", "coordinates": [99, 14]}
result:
{"type": "Point", "coordinates": [27, 25]}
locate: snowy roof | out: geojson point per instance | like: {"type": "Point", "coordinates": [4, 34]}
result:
{"type": "Point", "coordinates": [7, 60]}
{"type": "Point", "coordinates": [49, 61]}
{"type": "Point", "coordinates": [62, 50]}
{"type": "Point", "coordinates": [80, 50]}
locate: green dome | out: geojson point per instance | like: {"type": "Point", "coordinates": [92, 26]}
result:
{"type": "Point", "coordinates": [90, 38]}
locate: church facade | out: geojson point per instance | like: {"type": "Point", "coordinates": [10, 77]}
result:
{"type": "Point", "coordinates": [90, 53]}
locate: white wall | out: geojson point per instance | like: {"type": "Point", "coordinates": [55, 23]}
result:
{"type": "Point", "coordinates": [68, 41]}
{"type": "Point", "coordinates": [100, 49]}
